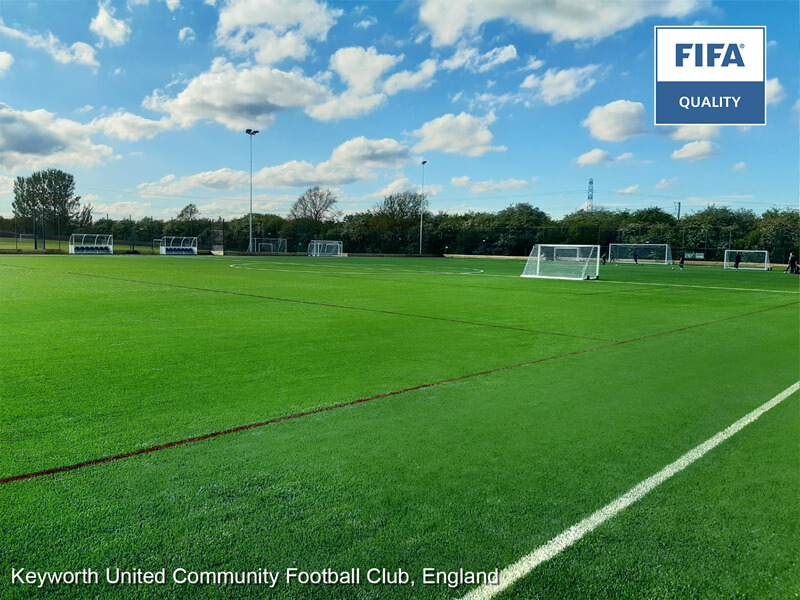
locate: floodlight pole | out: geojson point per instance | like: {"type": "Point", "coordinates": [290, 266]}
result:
{"type": "Point", "coordinates": [421, 210]}
{"type": "Point", "coordinates": [251, 133]}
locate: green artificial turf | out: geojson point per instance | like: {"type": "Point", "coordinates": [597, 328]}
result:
{"type": "Point", "coordinates": [106, 355]}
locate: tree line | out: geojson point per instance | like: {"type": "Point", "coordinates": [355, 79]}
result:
{"type": "Point", "coordinates": [391, 226]}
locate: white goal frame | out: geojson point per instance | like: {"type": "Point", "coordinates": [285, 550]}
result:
{"type": "Point", "coordinates": [326, 248]}
{"type": "Point", "coordinates": [273, 245]}
{"type": "Point", "coordinates": [91, 243]}
{"type": "Point", "coordinates": [177, 245]}
{"type": "Point", "coordinates": [626, 250]}
{"type": "Point", "coordinates": [540, 259]}
{"type": "Point", "coordinates": [762, 264]}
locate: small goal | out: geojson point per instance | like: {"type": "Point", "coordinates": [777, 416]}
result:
{"type": "Point", "coordinates": [178, 245]}
{"type": "Point", "coordinates": [325, 248]}
{"type": "Point", "coordinates": [643, 254]}
{"type": "Point", "coordinates": [563, 261]}
{"type": "Point", "coordinates": [91, 243]}
{"type": "Point", "coordinates": [272, 245]}
{"type": "Point", "coordinates": [751, 260]}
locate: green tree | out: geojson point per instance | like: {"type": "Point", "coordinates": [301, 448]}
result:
{"type": "Point", "coordinates": [316, 205]}
{"type": "Point", "coordinates": [50, 196]}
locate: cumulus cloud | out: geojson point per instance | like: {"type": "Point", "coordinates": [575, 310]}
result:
{"type": "Point", "coordinates": [345, 106]}
{"type": "Point", "coordinates": [616, 121]}
{"type": "Point", "coordinates": [237, 97]}
{"type": "Point", "coordinates": [80, 52]}
{"type": "Point", "coordinates": [6, 60]}
{"type": "Point", "coordinates": [366, 23]}
{"type": "Point", "coordinates": [665, 183]}
{"type": "Point", "coordinates": [458, 134]}
{"type": "Point", "coordinates": [593, 157]}
{"type": "Point", "coordinates": [470, 58]}
{"type": "Point", "coordinates": [186, 35]}
{"type": "Point", "coordinates": [107, 28]}
{"type": "Point", "coordinates": [448, 20]}
{"type": "Point", "coordinates": [739, 166]}
{"type": "Point", "coordinates": [272, 30]}
{"type": "Point", "coordinates": [128, 127]}
{"type": "Point", "coordinates": [631, 189]}
{"type": "Point", "coordinates": [360, 68]}
{"type": "Point", "coordinates": [351, 161]}
{"type": "Point", "coordinates": [555, 87]}
{"type": "Point", "coordinates": [694, 151]}
{"type": "Point", "coordinates": [490, 185]}
{"type": "Point", "coordinates": [460, 181]}
{"type": "Point", "coordinates": [36, 139]}
{"type": "Point", "coordinates": [532, 64]}
{"type": "Point", "coordinates": [411, 80]}
{"type": "Point", "coordinates": [696, 132]}
{"type": "Point", "coordinates": [775, 91]}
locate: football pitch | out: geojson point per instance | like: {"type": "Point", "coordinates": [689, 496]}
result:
{"type": "Point", "coordinates": [221, 414]}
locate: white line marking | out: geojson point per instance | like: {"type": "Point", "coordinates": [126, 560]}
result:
{"type": "Point", "coordinates": [512, 573]}
{"type": "Point", "coordinates": [256, 267]}
{"type": "Point", "coordinates": [701, 287]}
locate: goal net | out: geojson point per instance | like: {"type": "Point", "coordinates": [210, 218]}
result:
{"type": "Point", "coordinates": [753, 260]}
{"type": "Point", "coordinates": [644, 254]}
{"type": "Point", "coordinates": [177, 245]}
{"type": "Point", "coordinates": [269, 245]}
{"type": "Point", "coordinates": [324, 248]}
{"type": "Point", "coordinates": [91, 243]}
{"type": "Point", "coordinates": [563, 261]}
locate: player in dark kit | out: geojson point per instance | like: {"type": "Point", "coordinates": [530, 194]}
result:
{"type": "Point", "coordinates": [792, 268]}
{"type": "Point", "coordinates": [737, 260]}
{"type": "Point", "coordinates": [682, 261]}
{"type": "Point", "coordinates": [636, 257]}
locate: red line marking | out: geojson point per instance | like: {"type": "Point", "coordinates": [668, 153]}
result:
{"type": "Point", "coordinates": [423, 386]}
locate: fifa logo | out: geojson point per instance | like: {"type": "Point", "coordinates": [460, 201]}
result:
{"type": "Point", "coordinates": [711, 54]}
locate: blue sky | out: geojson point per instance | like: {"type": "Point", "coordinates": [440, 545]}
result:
{"type": "Point", "coordinates": [146, 103]}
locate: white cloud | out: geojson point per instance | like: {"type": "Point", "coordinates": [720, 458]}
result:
{"type": "Point", "coordinates": [129, 127]}
{"type": "Point", "coordinates": [36, 139]}
{"type": "Point", "coordinates": [561, 19]}
{"type": "Point", "coordinates": [532, 64]}
{"type": "Point", "coordinates": [80, 52]}
{"type": "Point", "coordinates": [84, 109]}
{"type": "Point", "coordinates": [403, 184]}
{"type": "Point", "coordinates": [469, 58]}
{"type": "Point", "coordinates": [360, 68]}
{"type": "Point", "coordinates": [366, 23]}
{"type": "Point", "coordinates": [6, 60]}
{"type": "Point", "coordinates": [631, 189]}
{"type": "Point", "coordinates": [616, 121]}
{"type": "Point", "coordinates": [480, 187]}
{"type": "Point", "coordinates": [665, 183]}
{"type": "Point", "coordinates": [457, 134]}
{"type": "Point", "coordinates": [460, 181]}
{"type": "Point", "coordinates": [351, 161]}
{"type": "Point", "coordinates": [186, 35]}
{"type": "Point", "coordinates": [345, 106]}
{"type": "Point", "coordinates": [625, 156]}
{"type": "Point", "coordinates": [107, 28]}
{"type": "Point", "coordinates": [173, 5]}
{"type": "Point", "coordinates": [410, 80]}
{"type": "Point", "coordinates": [693, 151]}
{"type": "Point", "coordinates": [696, 132]}
{"type": "Point", "coordinates": [775, 91]}
{"type": "Point", "coordinates": [555, 87]}
{"type": "Point", "coordinates": [123, 209]}
{"type": "Point", "coordinates": [593, 157]}
{"type": "Point", "coordinates": [272, 30]}
{"type": "Point", "coordinates": [739, 166]}
{"type": "Point", "coordinates": [237, 97]}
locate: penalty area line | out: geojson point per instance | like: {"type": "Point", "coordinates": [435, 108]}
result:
{"type": "Point", "coordinates": [516, 571]}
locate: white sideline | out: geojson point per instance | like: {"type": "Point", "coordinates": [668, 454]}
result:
{"type": "Point", "coordinates": [564, 540]}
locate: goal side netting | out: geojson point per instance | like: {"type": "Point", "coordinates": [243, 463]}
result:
{"type": "Point", "coordinates": [270, 245]}
{"type": "Point", "coordinates": [563, 261]}
{"type": "Point", "coordinates": [644, 254]}
{"type": "Point", "coordinates": [325, 248]}
{"type": "Point", "coordinates": [753, 260]}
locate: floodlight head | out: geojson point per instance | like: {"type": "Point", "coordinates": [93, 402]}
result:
{"type": "Point", "coordinates": [424, 162]}
{"type": "Point", "coordinates": [248, 131]}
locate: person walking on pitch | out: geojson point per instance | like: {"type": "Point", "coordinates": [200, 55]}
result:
{"type": "Point", "coordinates": [682, 261]}
{"type": "Point", "coordinates": [737, 260]}
{"type": "Point", "coordinates": [636, 257]}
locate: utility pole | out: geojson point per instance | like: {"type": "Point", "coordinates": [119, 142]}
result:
{"type": "Point", "coordinates": [590, 197]}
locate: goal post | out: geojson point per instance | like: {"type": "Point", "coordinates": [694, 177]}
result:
{"type": "Point", "coordinates": [644, 254]}
{"type": "Point", "coordinates": [751, 260]}
{"type": "Point", "coordinates": [563, 261]}
{"type": "Point", "coordinates": [325, 248]}
{"type": "Point", "coordinates": [91, 243]}
{"type": "Point", "coordinates": [270, 245]}
{"type": "Point", "coordinates": [177, 245]}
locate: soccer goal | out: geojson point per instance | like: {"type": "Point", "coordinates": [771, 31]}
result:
{"type": "Point", "coordinates": [563, 261]}
{"type": "Point", "coordinates": [752, 260]}
{"type": "Point", "coordinates": [646, 254]}
{"type": "Point", "coordinates": [91, 243]}
{"type": "Point", "coordinates": [269, 245]}
{"type": "Point", "coordinates": [177, 245]}
{"type": "Point", "coordinates": [324, 248]}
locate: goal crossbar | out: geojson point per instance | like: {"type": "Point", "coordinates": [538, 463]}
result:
{"type": "Point", "coordinates": [751, 260]}
{"type": "Point", "coordinates": [325, 248]}
{"type": "Point", "coordinates": [563, 261]}
{"type": "Point", "coordinates": [644, 254]}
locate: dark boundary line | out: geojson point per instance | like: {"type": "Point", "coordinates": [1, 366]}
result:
{"type": "Point", "coordinates": [423, 386]}
{"type": "Point", "coordinates": [341, 306]}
